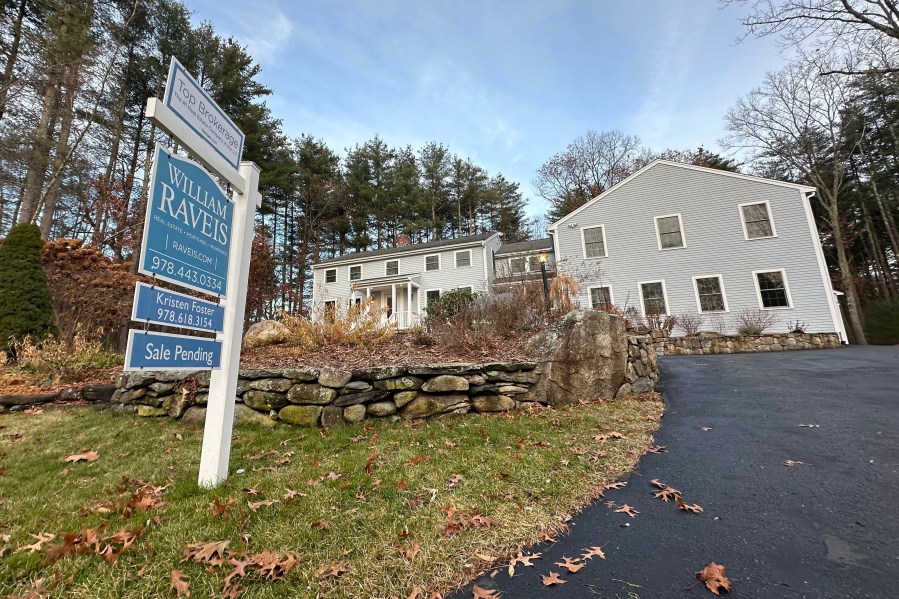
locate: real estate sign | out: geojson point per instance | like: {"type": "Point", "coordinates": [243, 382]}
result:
{"type": "Point", "coordinates": [187, 230]}
{"type": "Point", "coordinates": [161, 306]}
{"type": "Point", "coordinates": [150, 350]}
{"type": "Point", "coordinates": [190, 102]}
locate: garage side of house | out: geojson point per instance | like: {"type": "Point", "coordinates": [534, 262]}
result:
{"type": "Point", "coordinates": [676, 238]}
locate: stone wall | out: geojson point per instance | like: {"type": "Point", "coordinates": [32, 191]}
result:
{"type": "Point", "coordinates": [713, 343]}
{"type": "Point", "coordinates": [328, 397]}
{"type": "Point", "coordinates": [94, 393]}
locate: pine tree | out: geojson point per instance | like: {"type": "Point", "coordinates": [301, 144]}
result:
{"type": "Point", "coordinates": [26, 309]}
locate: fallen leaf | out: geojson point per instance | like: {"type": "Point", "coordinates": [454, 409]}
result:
{"type": "Point", "coordinates": [593, 552]}
{"type": "Point", "coordinates": [290, 494]}
{"type": "Point", "coordinates": [180, 583]}
{"type": "Point", "coordinates": [411, 551]}
{"type": "Point", "coordinates": [333, 570]}
{"type": "Point", "coordinates": [791, 463]}
{"type": "Point", "coordinates": [570, 564]}
{"type": "Point", "coordinates": [480, 593]}
{"type": "Point", "coordinates": [219, 509]}
{"type": "Point", "coordinates": [251, 491]}
{"type": "Point", "coordinates": [322, 524]}
{"type": "Point", "coordinates": [715, 578]}
{"type": "Point", "coordinates": [454, 481]}
{"type": "Point", "coordinates": [205, 552]}
{"type": "Point", "coordinates": [657, 449]}
{"type": "Point", "coordinates": [40, 539]}
{"type": "Point", "coordinates": [255, 505]}
{"type": "Point", "coordinates": [809, 425]}
{"type": "Point", "coordinates": [525, 560]}
{"type": "Point", "coordinates": [695, 508]}
{"type": "Point", "coordinates": [706, 429]}
{"type": "Point", "coordinates": [89, 456]}
{"type": "Point", "coordinates": [668, 494]}
{"type": "Point", "coordinates": [626, 509]}
{"type": "Point", "coordinates": [370, 462]}
{"type": "Point", "coordinates": [549, 536]}
{"type": "Point", "coordinates": [552, 579]}
{"type": "Point", "coordinates": [618, 485]}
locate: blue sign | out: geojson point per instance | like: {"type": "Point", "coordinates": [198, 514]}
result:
{"type": "Point", "coordinates": [161, 306]}
{"type": "Point", "coordinates": [149, 350]}
{"type": "Point", "coordinates": [187, 230]}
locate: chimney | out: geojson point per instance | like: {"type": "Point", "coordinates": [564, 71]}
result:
{"type": "Point", "coordinates": [403, 241]}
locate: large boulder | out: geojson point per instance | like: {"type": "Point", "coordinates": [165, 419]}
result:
{"type": "Point", "coordinates": [445, 383]}
{"type": "Point", "coordinates": [309, 393]}
{"type": "Point", "coordinates": [264, 401]}
{"type": "Point", "coordinates": [425, 406]}
{"type": "Point", "coordinates": [582, 357]}
{"type": "Point", "coordinates": [301, 415]}
{"type": "Point", "coordinates": [244, 415]}
{"type": "Point", "coordinates": [334, 377]}
{"type": "Point", "coordinates": [266, 332]}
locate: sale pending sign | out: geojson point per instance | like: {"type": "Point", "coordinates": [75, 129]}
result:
{"type": "Point", "coordinates": [187, 231]}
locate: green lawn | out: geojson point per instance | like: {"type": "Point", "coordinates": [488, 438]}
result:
{"type": "Point", "coordinates": [372, 498]}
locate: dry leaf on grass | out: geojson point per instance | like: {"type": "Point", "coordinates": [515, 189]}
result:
{"type": "Point", "coordinates": [180, 583]}
{"type": "Point", "coordinates": [626, 509]}
{"type": "Point", "coordinates": [572, 565]}
{"type": "Point", "coordinates": [333, 570]}
{"type": "Point", "coordinates": [255, 505]}
{"type": "Point", "coordinates": [40, 539]}
{"type": "Point", "coordinates": [219, 509]}
{"type": "Point", "coordinates": [715, 578]}
{"type": "Point", "coordinates": [88, 456]}
{"type": "Point", "coordinates": [552, 579]}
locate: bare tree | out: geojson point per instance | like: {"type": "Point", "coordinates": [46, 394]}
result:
{"type": "Point", "coordinates": [856, 30]}
{"type": "Point", "coordinates": [797, 118]}
{"type": "Point", "coordinates": [587, 167]}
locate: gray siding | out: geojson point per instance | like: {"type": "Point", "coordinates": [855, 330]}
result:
{"type": "Point", "coordinates": [715, 245]}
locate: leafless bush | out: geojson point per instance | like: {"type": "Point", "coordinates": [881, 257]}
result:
{"type": "Point", "coordinates": [754, 321]}
{"type": "Point", "coordinates": [660, 322]}
{"type": "Point", "coordinates": [562, 292]}
{"type": "Point", "coordinates": [719, 325]}
{"type": "Point", "coordinates": [689, 322]}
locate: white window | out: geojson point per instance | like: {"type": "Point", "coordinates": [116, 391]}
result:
{"type": "Point", "coordinates": [331, 275]}
{"type": "Point", "coordinates": [710, 293]}
{"type": "Point", "coordinates": [772, 288]}
{"type": "Point", "coordinates": [463, 258]}
{"type": "Point", "coordinates": [670, 232]}
{"type": "Point", "coordinates": [355, 273]}
{"type": "Point", "coordinates": [392, 267]}
{"type": "Point", "coordinates": [516, 265]}
{"type": "Point", "coordinates": [432, 262]}
{"type": "Point", "coordinates": [601, 297]}
{"type": "Point", "coordinates": [653, 297]}
{"type": "Point", "coordinates": [757, 223]}
{"type": "Point", "coordinates": [594, 240]}
{"type": "Point", "coordinates": [432, 295]}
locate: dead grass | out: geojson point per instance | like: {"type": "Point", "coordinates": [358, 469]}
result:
{"type": "Point", "coordinates": [524, 472]}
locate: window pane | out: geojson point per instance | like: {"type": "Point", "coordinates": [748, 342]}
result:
{"type": "Point", "coordinates": [432, 263]}
{"type": "Point", "coordinates": [653, 298]}
{"type": "Point", "coordinates": [355, 273]}
{"type": "Point", "coordinates": [669, 232]}
{"type": "Point", "coordinates": [432, 295]}
{"type": "Point", "coordinates": [758, 221]}
{"type": "Point", "coordinates": [393, 268]}
{"type": "Point", "coordinates": [517, 265]}
{"type": "Point", "coordinates": [772, 290]}
{"type": "Point", "coordinates": [463, 259]}
{"type": "Point", "coordinates": [331, 275]}
{"type": "Point", "coordinates": [534, 263]}
{"type": "Point", "coordinates": [711, 298]}
{"type": "Point", "coordinates": [594, 243]}
{"type": "Point", "coordinates": [600, 297]}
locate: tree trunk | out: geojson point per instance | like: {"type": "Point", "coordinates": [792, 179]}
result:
{"type": "Point", "coordinates": [6, 81]}
{"type": "Point", "coordinates": [884, 279]}
{"type": "Point", "coordinates": [848, 279]}
{"type": "Point", "coordinates": [51, 196]}
{"type": "Point", "coordinates": [37, 161]}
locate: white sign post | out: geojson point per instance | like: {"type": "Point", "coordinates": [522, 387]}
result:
{"type": "Point", "coordinates": [189, 115]}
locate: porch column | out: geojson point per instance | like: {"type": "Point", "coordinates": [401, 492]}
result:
{"type": "Point", "coordinates": [367, 297]}
{"type": "Point", "coordinates": [419, 304]}
{"type": "Point", "coordinates": [393, 299]}
{"type": "Point", "coordinates": [408, 303]}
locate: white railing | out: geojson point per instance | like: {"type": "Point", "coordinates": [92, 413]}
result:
{"type": "Point", "coordinates": [404, 320]}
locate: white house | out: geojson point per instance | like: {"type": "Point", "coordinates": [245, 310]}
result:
{"type": "Point", "coordinates": [402, 280]}
{"type": "Point", "coordinates": [675, 238]}
{"type": "Point", "coordinates": [522, 260]}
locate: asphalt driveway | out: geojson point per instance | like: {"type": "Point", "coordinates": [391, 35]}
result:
{"type": "Point", "coordinates": [828, 527]}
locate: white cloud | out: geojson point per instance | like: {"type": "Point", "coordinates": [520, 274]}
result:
{"type": "Point", "coordinates": [261, 26]}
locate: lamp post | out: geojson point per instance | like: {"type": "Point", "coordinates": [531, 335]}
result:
{"type": "Point", "coordinates": [542, 258]}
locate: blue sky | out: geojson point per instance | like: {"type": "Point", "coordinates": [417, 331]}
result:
{"type": "Point", "coordinates": [507, 83]}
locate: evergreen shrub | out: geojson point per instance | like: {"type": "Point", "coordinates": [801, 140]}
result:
{"type": "Point", "coordinates": [882, 322]}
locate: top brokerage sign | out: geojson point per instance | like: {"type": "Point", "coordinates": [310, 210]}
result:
{"type": "Point", "coordinates": [191, 103]}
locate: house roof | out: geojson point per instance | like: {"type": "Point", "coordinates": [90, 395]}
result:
{"type": "Point", "coordinates": [532, 245]}
{"type": "Point", "coordinates": [654, 163]}
{"type": "Point", "coordinates": [417, 247]}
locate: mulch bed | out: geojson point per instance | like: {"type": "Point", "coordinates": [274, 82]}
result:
{"type": "Point", "coordinates": [400, 350]}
